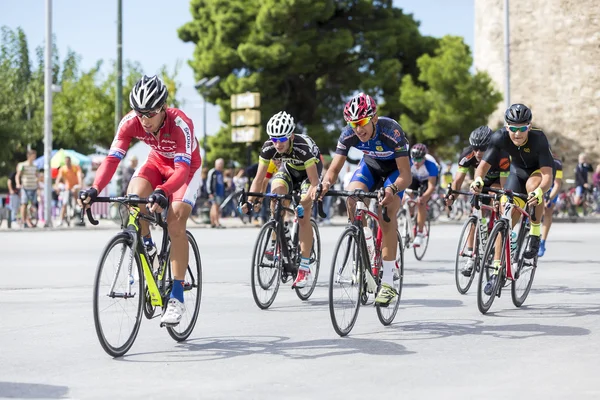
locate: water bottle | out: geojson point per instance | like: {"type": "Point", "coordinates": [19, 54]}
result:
{"type": "Point", "coordinates": [300, 211]}
{"type": "Point", "coordinates": [370, 243]}
{"type": "Point", "coordinates": [484, 230]}
{"type": "Point", "coordinates": [286, 231]}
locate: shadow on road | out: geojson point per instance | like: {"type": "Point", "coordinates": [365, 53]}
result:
{"type": "Point", "coordinates": [435, 303]}
{"type": "Point", "coordinates": [564, 289]}
{"type": "Point", "coordinates": [432, 329]}
{"type": "Point", "coordinates": [217, 348]}
{"type": "Point", "coordinates": [563, 310]}
{"type": "Point", "coordinates": [19, 390]}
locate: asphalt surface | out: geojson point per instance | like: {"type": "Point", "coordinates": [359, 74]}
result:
{"type": "Point", "coordinates": [439, 347]}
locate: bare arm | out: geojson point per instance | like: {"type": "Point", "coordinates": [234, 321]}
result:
{"type": "Point", "coordinates": [258, 182]}
{"type": "Point", "coordinates": [405, 178]}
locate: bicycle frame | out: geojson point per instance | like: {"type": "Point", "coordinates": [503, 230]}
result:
{"type": "Point", "coordinates": [507, 216]}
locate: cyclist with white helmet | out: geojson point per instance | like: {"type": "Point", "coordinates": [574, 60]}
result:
{"type": "Point", "coordinates": [171, 173]}
{"type": "Point", "coordinates": [385, 164]}
{"type": "Point", "coordinates": [425, 171]}
{"type": "Point", "coordinates": [300, 169]}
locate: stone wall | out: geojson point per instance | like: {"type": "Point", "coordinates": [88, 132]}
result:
{"type": "Point", "coordinates": [554, 64]}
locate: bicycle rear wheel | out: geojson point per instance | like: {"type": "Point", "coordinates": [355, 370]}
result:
{"type": "Point", "coordinates": [267, 264]}
{"type": "Point", "coordinates": [315, 263]}
{"type": "Point", "coordinates": [118, 296]}
{"type": "Point", "coordinates": [345, 282]}
{"type": "Point", "coordinates": [523, 276]}
{"type": "Point", "coordinates": [484, 301]}
{"type": "Point", "coordinates": [420, 251]}
{"type": "Point", "coordinates": [387, 314]}
{"type": "Point", "coordinates": [192, 293]}
{"type": "Point", "coordinates": [464, 278]}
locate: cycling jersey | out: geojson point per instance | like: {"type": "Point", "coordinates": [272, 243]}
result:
{"type": "Point", "coordinates": [303, 153]}
{"type": "Point", "coordinates": [175, 155]}
{"type": "Point", "coordinates": [388, 143]}
{"type": "Point", "coordinates": [429, 169]}
{"type": "Point", "coordinates": [531, 156]}
{"type": "Point", "coordinates": [558, 167]}
{"type": "Point", "coordinates": [467, 160]}
{"type": "Point", "coordinates": [271, 169]}
{"type": "Point", "coordinates": [581, 173]}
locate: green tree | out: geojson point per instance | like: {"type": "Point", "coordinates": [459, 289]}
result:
{"type": "Point", "coordinates": [304, 56]}
{"type": "Point", "coordinates": [448, 101]}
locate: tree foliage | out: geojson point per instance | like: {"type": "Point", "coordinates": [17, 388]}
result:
{"type": "Point", "coordinates": [447, 102]}
{"type": "Point", "coordinates": [304, 56]}
{"type": "Point", "coordinates": [83, 111]}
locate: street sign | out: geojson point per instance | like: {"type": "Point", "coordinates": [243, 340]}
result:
{"type": "Point", "coordinates": [245, 118]}
{"type": "Point", "coordinates": [245, 100]}
{"type": "Point", "coordinates": [246, 134]}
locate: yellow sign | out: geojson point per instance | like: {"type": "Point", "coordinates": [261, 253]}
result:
{"type": "Point", "coordinates": [245, 118]}
{"type": "Point", "coordinates": [245, 100]}
{"type": "Point", "coordinates": [246, 134]}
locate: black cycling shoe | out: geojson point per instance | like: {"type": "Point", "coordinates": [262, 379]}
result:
{"type": "Point", "coordinates": [532, 247]}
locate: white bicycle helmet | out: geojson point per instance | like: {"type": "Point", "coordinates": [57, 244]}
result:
{"type": "Point", "coordinates": [149, 93]}
{"type": "Point", "coordinates": [281, 125]}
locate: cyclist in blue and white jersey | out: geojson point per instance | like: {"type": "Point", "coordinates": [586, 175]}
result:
{"type": "Point", "coordinates": [425, 171]}
{"type": "Point", "coordinates": [385, 164]}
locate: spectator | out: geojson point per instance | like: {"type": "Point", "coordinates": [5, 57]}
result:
{"type": "Point", "coordinates": [216, 191]}
{"type": "Point", "coordinates": [14, 198]}
{"type": "Point", "coordinates": [27, 182]}
{"type": "Point", "coordinates": [72, 177]}
{"type": "Point", "coordinates": [596, 177]}
{"type": "Point", "coordinates": [581, 178]}
{"type": "Point", "coordinates": [128, 174]}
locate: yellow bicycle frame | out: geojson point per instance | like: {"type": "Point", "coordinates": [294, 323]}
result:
{"type": "Point", "coordinates": [155, 297]}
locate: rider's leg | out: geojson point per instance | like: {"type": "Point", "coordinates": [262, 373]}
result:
{"type": "Point", "coordinates": [546, 224]}
{"type": "Point", "coordinates": [534, 242]}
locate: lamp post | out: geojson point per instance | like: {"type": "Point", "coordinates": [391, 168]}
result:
{"type": "Point", "coordinates": [205, 83]}
{"type": "Point", "coordinates": [507, 54]}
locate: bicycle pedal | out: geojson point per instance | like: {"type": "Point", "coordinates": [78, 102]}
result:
{"type": "Point", "coordinates": [165, 325]}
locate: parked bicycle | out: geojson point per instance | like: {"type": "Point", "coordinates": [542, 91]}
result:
{"type": "Point", "coordinates": [277, 254]}
{"type": "Point", "coordinates": [356, 271]}
{"type": "Point", "coordinates": [139, 283]}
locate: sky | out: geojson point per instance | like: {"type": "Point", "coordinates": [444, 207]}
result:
{"type": "Point", "coordinates": [150, 35]}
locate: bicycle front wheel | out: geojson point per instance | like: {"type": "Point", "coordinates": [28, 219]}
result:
{"type": "Point", "coordinates": [315, 263]}
{"type": "Point", "coordinates": [488, 287]}
{"type": "Point", "coordinates": [387, 314]}
{"type": "Point", "coordinates": [420, 250]}
{"type": "Point", "coordinates": [463, 275]}
{"type": "Point", "coordinates": [267, 264]}
{"type": "Point", "coordinates": [118, 296]}
{"type": "Point", "coordinates": [523, 277]}
{"type": "Point", "coordinates": [192, 293]}
{"type": "Point", "coordinates": [345, 282]}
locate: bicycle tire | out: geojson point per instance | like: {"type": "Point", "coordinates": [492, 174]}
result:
{"type": "Point", "coordinates": [193, 285]}
{"type": "Point", "coordinates": [356, 279]}
{"type": "Point", "coordinates": [519, 299]}
{"type": "Point", "coordinates": [125, 240]}
{"type": "Point", "coordinates": [256, 282]}
{"type": "Point", "coordinates": [419, 255]}
{"type": "Point", "coordinates": [305, 292]}
{"type": "Point", "coordinates": [499, 228]}
{"type": "Point", "coordinates": [463, 285]}
{"type": "Point", "coordinates": [381, 311]}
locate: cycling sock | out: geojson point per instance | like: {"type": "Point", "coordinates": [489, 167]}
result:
{"type": "Point", "coordinates": [305, 264]}
{"type": "Point", "coordinates": [496, 266]}
{"type": "Point", "coordinates": [388, 272]}
{"type": "Point", "coordinates": [177, 291]}
{"type": "Point", "coordinates": [542, 242]}
{"type": "Point", "coordinates": [535, 230]}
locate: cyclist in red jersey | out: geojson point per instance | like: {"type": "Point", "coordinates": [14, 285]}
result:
{"type": "Point", "coordinates": [170, 174]}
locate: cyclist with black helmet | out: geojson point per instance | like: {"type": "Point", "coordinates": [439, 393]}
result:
{"type": "Point", "coordinates": [300, 169]}
{"type": "Point", "coordinates": [385, 164]}
{"type": "Point", "coordinates": [171, 173]}
{"type": "Point", "coordinates": [469, 159]}
{"type": "Point", "coordinates": [425, 170]}
{"type": "Point", "coordinates": [531, 170]}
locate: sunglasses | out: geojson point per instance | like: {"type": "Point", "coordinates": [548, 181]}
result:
{"type": "Point", "coordinates": [148, 114]}
{"type": "Point", "coordinates": [518, 128]}
{"type": "Point", "coordinates": [360, 122]}
{"type": "Point", "coordinates": [418, 159]}
{"type": "Point", "coordinates": [480, 148]}
{"type": "Point", "coordinates": [279, 139]}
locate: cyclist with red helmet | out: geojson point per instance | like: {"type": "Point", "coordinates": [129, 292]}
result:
{"type": "Point", "coordinates": [385, 164]}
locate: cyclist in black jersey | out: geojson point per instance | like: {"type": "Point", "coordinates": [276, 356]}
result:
{"type": "Point", "coordinates": [300, 168]}
{"type": "Point", "coordinates": [469, 159]}
{"type": "Point", "coordinates": [531, 170]}
{"type": "Point", "coordinates": [549, 201]}
{"type": "Point", "coordinates": [385, 164]}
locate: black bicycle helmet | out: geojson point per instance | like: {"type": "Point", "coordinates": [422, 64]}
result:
{"type": "Point", "coordinates": [518, 114]}
{"type": "Point", "coordinates": [148, 94]}
{"type": "Point", "coordinates": [480, 137]}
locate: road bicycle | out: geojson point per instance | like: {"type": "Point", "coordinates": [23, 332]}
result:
{"type": "Point", "coordinates": [407, 224]}
{"type": "Point", "coordinates": [277, 254]}
{"type": "Point", "coordinates": [515, 270]}
{"type": "Point", "coordinates": [139, 283]}
{"type": "Point", "coordinates": [356, 272]}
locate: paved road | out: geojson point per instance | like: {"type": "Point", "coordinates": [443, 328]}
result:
{"type": "Point", "coordinates": [440, 346]}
